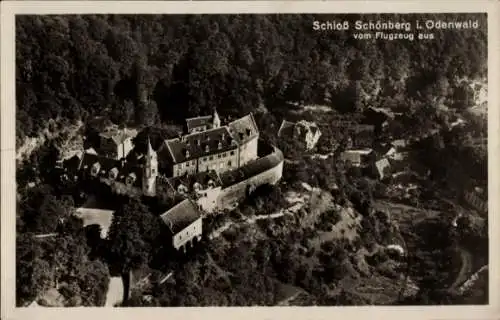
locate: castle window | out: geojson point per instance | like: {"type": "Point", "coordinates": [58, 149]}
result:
{"type": "Point", "coordinates": [219, 155]}
{"type": "Point", "coordinates": [232, 153]}
{"type": "Point", "coordinates": [211, 157]}
{"type": "Point", "coordinates": [229, 163]}
{"type": "Point", "coordinates": [187, 164]}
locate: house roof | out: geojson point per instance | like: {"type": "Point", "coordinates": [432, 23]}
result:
{"type": "Point", "coordinates": [243, 129]}
{"type": "Point", "coordinates": [124, 168]}
{"type": "Point", "coordinates": [382, 166]}
{"type": "Point", "coordinates": [202, 178]}
{"type": "Point", "coordinates": [118, 135]}
{"type": "Point", "coordinates": [301, 128]}
{"type": "Point", "coordinates": [252, 168]}
{"type": "Point", "coordinates": [383, 149]}
{"type": "Point", "coordinates": [307, 125]}
{"type": "Point", "coordinates": [195, 145]}
{"type": "Point", "coordinates": [180, 216]}
{"type": "Point", "coordinates": [90, 159]}
{"type": "Point", "coordinates": [196, 122]}
{"type": "Point", "coordinates": [401, 143]}
{"type": "Point", "coordinates": [286, 128]}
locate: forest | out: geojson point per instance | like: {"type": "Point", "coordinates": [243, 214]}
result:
{"type": "Point", "coordinates": [146, 70]}
{"type": "Point", "coordinates": [150, 72]}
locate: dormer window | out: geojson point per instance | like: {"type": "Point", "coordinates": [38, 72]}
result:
{"type": "Point", "coordinates": [219, 145]}
{"type": "Point", "coordinates": [96, 167]}
{"type": "Point", "coordinates": [211, 183]}
{"type": "Point", "coordinates": [207, 148]}
{"type": "Point", "coordinates": [113, 173]}
{"type": "Point", "coordinates": [196, 186]}
{"type": "Point", "coordinates": [187, 153]}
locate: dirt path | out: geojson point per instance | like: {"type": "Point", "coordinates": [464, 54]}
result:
{"type": "Point", "coordinates": [46, 235]}
{"type": "Point", "coordinates": [465, 269]}
{"type": "Point", "coordinates": [471, 281]}
{"type": "Point", "coordinates": [115, 292]}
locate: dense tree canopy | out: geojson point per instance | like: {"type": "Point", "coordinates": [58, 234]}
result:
{"type": "Point", "coordinates": [139, 70]}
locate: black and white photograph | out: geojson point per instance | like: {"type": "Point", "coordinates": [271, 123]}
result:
{"type": "Point", "coordinates": [250, 159]}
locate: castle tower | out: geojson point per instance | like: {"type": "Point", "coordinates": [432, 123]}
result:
{"type": "Point", "coordinates": [150, 171]}
{"type": "Point", "coordinates": [216, 120]}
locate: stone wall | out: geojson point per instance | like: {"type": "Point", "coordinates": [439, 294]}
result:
{"type": "Point", "coordinates": [232, 194]}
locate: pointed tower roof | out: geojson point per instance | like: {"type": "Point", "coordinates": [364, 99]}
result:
{"type": "Point", "coordinates": [216, 119]}
{"type": "Point", "coordinates": [150, 148]}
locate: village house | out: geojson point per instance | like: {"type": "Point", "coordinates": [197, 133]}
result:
{"type": "Point", "coordinates": [383, 168]}
{"type": "Point", "coordinates": [116, 143]}
{"type": "Point", "coordinates": [303, 130]}
{"type": "Point", "coordinates": [184, 221]}
{"type": "Point", "coordinates": [378, 117]}
{"type": "Point", "coordinates": [358, 157]}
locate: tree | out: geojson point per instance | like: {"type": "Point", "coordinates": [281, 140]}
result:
{"type": "Point", "coordinates": [132, 234]}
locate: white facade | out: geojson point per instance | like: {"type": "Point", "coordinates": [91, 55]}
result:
{"type": "Point", "coordinates": [248, 151]}
{"type": "Point", "coordinates": [207, 200]}
{"type": "Point", "coordinates": [150, 172]}
{"type": "Point", "coordinates": [181, 238]}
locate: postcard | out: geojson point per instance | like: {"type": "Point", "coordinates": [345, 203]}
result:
{"type": "Point", "coordinates": [250, 159]}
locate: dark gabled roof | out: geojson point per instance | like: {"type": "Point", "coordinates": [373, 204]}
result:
{"type": "Point", "coordinates": [399, 143]}
{"type": "Point", "coordinates": [286, 128]}
{"type": "Point", "coordinates": [180, 216]}
{"type": "Point", "coordinates": [382, 149]}
{"type": "Point", "coordinates": [358, 128]}
{"type": "Point", "coordinates": [243, 129]}
{"type": "Point", "coordinates": [201, 177]}
{"type": "Point", "coordinates": [291, 129]}
{"type": "Point", "coordinates": [252, 168]}
{"type": "Point", "coordinates": [196, 144]}
{"type": "Point", "coordinates": [107, 164]}
{"type": "Point", "coordinates": [196, 122]}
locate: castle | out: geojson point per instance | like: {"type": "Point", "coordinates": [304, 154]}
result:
{"type": "Point", "coordinates": [212, 166]}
